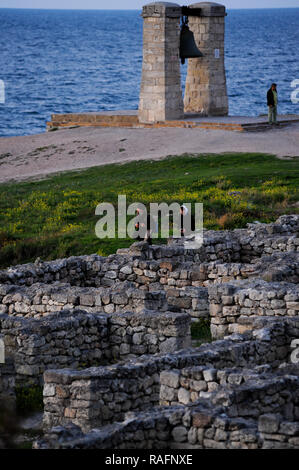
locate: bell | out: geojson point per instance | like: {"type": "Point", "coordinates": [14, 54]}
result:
{"type": "Point", "coordinates": [188, 47]}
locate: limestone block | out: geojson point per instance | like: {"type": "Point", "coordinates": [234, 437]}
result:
{"type": "Point", "coordinates": [126, 270]}
{"type": "Point", "coordinates": [215, 309]}
{"type": "Point", "coordinates": [169, 345]}
{"type": "Point", "coordinates": [184, 396]}
{"type": "Point", "coordinates": [87, 300]}
{"type": "Point", "coordinates": [210, 375]}
{"type": "Point", "coordinates": [168, 394]}
{"type": "Point", "coordinates": [199, 385]}
{"type": "Point", "coordinates": [49, 390]}
{"type": "Point", "coordinates": [170, 378]}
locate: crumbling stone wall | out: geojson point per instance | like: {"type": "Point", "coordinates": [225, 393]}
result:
{"type": "Point", "coordinates": [109, 282]}
{"type": "Point", "coordinates": [229, 302]}
{"type": "Point", "coordinates": [67, 341]}
{"type": "Point", "coordinates": [233, 386]}
{"type": "Point", "coordinates": [98, 396]}
{"type": "Point", "coordinates": [264, 394]}
{"type": "Point", "coordinates": [176, 427]}
{"type": "Point", "coordinates": [237, 246]}
{"type": "Point", "coordinates": [189, 385]}
{"type": "Point", "coordinates": [189, 299]}
{"type": "Point", "coordinates": [186, 386]}
{"type": "Point", "coordinates": [183, 285]}
{"type": "Point", "coordinates": [199, 426]}
{"type": "Point", "coordinates": [40, 300]}
{"type": "Point", "coordinates": [234, 407]}
{"type": "Point", "coordinates": [80, 339]}
{"type": "Point", "coordinates": [245, 280]}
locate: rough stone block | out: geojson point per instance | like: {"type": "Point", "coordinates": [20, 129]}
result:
{"type": "Point", "coordinates": [170, 378]}
{"type": "Point", "coordinates": [269, 423]}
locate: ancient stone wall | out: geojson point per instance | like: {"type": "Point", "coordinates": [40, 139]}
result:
{"type": "Point", "coordinates": [229, 302]}
{"type": "Point", "coordinates": [233, 386]}
{"type": "Point", "coordinates": [99, 396]}
{"type": "Point", "coordinates": [203, 425]}
{"type": "Point", "coordinates": [40, 300]}
{"type": "Point", "coordinates": [79, 339]}
{"type": "Point", "coordinates": [102, 362]}
{"type": "Point", "coordinates": [204, 403]}
{"type": "Point", "coordinates": [270, 252]}
{"type": "Point", "coordinates": [141, 263]}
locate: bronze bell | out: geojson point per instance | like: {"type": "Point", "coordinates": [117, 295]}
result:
{"type": "Point", "coordinates": [188, 47]}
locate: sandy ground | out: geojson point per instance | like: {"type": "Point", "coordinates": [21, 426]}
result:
{"type": "Point", "coordinates": [34, 157]}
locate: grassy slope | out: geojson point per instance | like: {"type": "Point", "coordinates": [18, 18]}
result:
{"type": "Point", "coordinates": [56, 217]}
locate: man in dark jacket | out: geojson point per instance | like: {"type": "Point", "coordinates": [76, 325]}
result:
{"type": "Point", "coordinates": [145, 230]}
{"type": "Point", "coordinates": [272, 102]}
{"type": "Point", "coordinates": [184, 212]}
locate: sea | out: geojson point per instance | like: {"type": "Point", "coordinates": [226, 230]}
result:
{"type": "Point", "coordinates": [68, 61]}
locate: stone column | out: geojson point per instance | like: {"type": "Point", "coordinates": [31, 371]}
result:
{"type": "Point", "coordinates": [206, 91]}
{"type": "Point", "coordinates": [161, 94]}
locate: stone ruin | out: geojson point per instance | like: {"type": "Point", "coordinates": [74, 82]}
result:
{"type": "Point", "coordinates": [206, 90]}
{"type": "Point", "coordinates": [109, 340]}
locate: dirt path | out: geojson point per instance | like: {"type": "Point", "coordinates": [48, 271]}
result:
{"type": "Point", "coordinates": [36, 156]}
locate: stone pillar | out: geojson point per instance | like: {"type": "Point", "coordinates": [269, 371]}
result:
{"type": "Point", "coordinates": [206, 91]}
{"type": "Point", "coordinates": [161, 94]}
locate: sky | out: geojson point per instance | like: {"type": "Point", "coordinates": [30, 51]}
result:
{"type": "Point", "coordinates": [136, 4]}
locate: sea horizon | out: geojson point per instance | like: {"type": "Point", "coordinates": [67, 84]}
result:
{"type": "Point", "coordinates": [134, 9]}
{"type": "Point", "coordinates": [56, 61]}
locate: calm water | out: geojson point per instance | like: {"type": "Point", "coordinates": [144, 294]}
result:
{"type": "Point", "coordinates": [75, 61]}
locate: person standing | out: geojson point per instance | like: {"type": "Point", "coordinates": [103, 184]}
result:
{"type": "Point", "coordinates": [272, 101]}
{"type": "Point", "coordinates": [145, 230]}
{"type": "Point", "coordinates": [184, 212]}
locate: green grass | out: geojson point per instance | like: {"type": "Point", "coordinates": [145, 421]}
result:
{"type": "Point", "coordinates": [201, 331]}
{"type": "Point", "coordinates": [29, 399]}
{"type": "Point", "coordinates": [55, 217]}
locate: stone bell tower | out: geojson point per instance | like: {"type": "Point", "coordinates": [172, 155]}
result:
{"type": "Point", "coordinates": [206, 91]}
{"type": "Point", "coordinates": [161, 93]}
